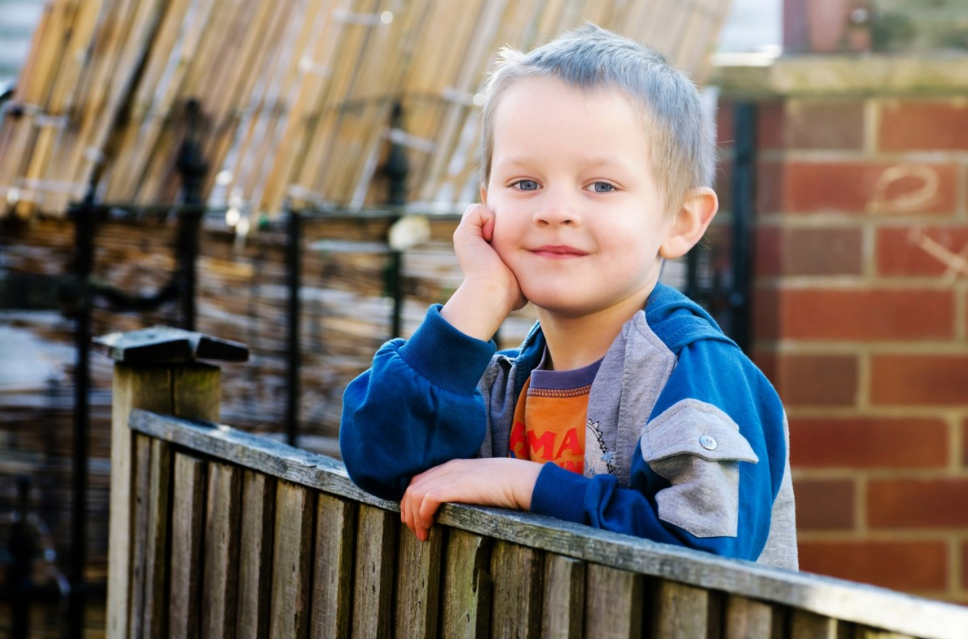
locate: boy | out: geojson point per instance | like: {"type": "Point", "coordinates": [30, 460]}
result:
{"type": "Point", "coordinates": [647, 422]}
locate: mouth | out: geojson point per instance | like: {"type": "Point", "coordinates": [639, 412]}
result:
{"type": "Point", "coordinates": [558, 251]}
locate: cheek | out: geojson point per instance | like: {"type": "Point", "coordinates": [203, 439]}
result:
{"type": "Point", "coordinates": [505, 243]}
{"type": "Point", "coordinates": [501, 243]}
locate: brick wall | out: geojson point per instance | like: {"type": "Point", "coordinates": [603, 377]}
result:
{"type": "Point", "coordinates": [861, 321]}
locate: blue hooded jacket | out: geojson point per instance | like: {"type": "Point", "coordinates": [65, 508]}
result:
{"type": "Point", "coordinates": [686, 441]}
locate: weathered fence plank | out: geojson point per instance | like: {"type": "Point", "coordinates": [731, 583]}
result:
{"type": "Point", "coordinates": [418, 584]}
{"type": "Point", "coordinates": [147, 388]}
{"type": "Point", "coordinates": [614, 603]}
{"type": "Point", "coordinates": [155, 623]}
{"type": "Point", "coordinates": [806, 625]}
{"type": "Point", "coordinates": [467, 589]}
{"type": "Point", "coordinates": [197, 389]}
{"type": "Point", "coordinates": [748, 618]}
{"type": "Point", "coordinates": [517, 590]}
{"type": "Point", "coordinates": [333, 570]}
{"type": "Point", "coordinates": [376, 536]}
{"type": "Point", "coordinates": [255, 555]}
{"type": "Point", "coordinates": [681, 611]}
{"type": "Point", "coordinates": [221, 560]}
{"type": "Point", "coordinates": [292, 543]}
{"type": "Point", "coordinates": [141, 465]}
{"type": "Point", "coordinates": [563, 605]}
{"type": "Point", "coordinates": [187, 529]}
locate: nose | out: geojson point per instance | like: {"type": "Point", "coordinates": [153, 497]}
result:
{"type": "Point", "coordinates": [557, 207]}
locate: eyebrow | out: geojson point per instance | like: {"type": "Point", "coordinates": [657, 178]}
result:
{"type": "Point", "coordinates": [595, 160]}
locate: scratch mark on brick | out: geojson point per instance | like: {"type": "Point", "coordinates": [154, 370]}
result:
{"type": "Point", "coordinates": [909, 201]}
{"type": "Point", "coordinates": [955, 263]}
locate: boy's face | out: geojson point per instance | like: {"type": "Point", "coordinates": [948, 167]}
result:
{"type": "Point", "coordinates": [578, 216]}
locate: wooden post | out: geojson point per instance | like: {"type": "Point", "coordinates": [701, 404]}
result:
{"type": "Point", "coordinates": [155, 369]}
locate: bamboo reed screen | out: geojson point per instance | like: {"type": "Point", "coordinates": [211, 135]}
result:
{"type": "Point", "coordinates": [296, 95]}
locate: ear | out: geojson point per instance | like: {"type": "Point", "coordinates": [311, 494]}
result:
{"type": "Point", "coordinates": [689, 224]}
{"type": "Point", "coordinates": [484, 195]}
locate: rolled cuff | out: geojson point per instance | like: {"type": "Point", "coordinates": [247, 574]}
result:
{"type": "Point", "coordinates": [560, 493]}
{"type": "Point", "coordinates": [446, 357]}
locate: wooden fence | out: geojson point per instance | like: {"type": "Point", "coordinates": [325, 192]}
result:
{"type": "Point", "coordinates": [219, 533]}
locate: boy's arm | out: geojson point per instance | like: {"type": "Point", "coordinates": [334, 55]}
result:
{"type": "Point", "coordinates": [502, 482]}
{"type": "Point", "coordinates": [418, 406]}
{"type": "Point", "coordinates": [707, 468]}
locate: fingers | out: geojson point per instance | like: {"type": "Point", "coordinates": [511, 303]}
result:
{"type": "Point", "coordinates": [426, 511]}
{"type": "Point", "coordinates": [487, 228]}
{"type": "Point", "coordinates": [423, 498]}
{"type": "Point", "coordinates": [478, 220]}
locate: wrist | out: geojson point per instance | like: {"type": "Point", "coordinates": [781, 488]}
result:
{"type": "Point", "coordinates": [476, 311]}
{"type": "Point", "coordinates": [524, 488]}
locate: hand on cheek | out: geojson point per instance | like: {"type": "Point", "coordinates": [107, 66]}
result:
{"type": "Point", "coordinates": [490, 291]}
{"type": "Point", "coordinates": [502, 482]}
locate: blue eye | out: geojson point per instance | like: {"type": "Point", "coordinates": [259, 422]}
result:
{"type": "Point", "coordinates": [603, 187]}
{"type": "Point", "coordinates": [527, 185]}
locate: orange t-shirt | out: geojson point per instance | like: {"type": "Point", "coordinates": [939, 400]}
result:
{"type": "Point", "coordinates": [549, 420]}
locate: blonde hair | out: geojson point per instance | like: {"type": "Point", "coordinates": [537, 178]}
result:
{"type": "Point", "coordinates": [591, 57]}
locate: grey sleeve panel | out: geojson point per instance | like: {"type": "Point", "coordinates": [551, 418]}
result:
{"type": "Point", "coordinates": [697, 447]}
{"type": "Point", "coordinates": [781, 546]}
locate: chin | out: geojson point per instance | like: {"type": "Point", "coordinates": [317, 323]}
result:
{"type": "Point", "coordinates": [561, 306]}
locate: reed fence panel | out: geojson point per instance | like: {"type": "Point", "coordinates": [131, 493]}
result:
{"type": "Point", "coordinates": [296, 97]}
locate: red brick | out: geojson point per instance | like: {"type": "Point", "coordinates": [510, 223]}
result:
{"type": "Point", "coordinates": [902, 565]}
{"type": "Point", "coordinates": [825, 124]}
{"type": "Point", "coordinates": [917, 503]}
{"type": "Point", "coordinates": [816, 380]}
{"type": "Point", "coordinates": [823, 252]}
{"type": "Point", "coordinates": [767, 251]}
{"type": "Point", "coordinates": [866, 315]}
{"type": "Point", "coordinates": [919, 380]}
{"type": "Point", "coordinates": [766, 313]}
{"type": "Point", "coordinates": [964, 443]}
{"type": "Point", "coordinates": [925, 251]}
{"type": "Point", "coordinates": [769, 187]}
{"type": "Point", "coordinates": [807, 251]}
{"type": "Point", "coordinates": [765, 360]}
{"type": "Point", "coordinates": [860, 188]}
{"type": "Point", "coordinates": [769, 125]}
{"type": "Point", "coordinates": [923, 125]}
{"type": "Point", "coordinates": [868, 442]}
{"type": "Point", "coordinates": [824, 504]}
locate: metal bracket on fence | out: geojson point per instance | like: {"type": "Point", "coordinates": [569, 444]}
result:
{"type": "Point", "coordinates": [164, 344]}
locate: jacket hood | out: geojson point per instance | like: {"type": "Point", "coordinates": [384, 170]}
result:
{"type": "Point", "coordinates": [679, 320]}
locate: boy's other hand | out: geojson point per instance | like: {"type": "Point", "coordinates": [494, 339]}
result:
{"type": "Point", "coordinates": [501, 482]}
{"type": "Point", "coordinates": [490, 291]}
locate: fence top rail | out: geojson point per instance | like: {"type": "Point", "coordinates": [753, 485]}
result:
{"type": "Point", "coordinates": [833, 598]}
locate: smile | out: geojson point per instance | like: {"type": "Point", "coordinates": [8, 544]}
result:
{"type": "Point", "coordinates": [558, 251]}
